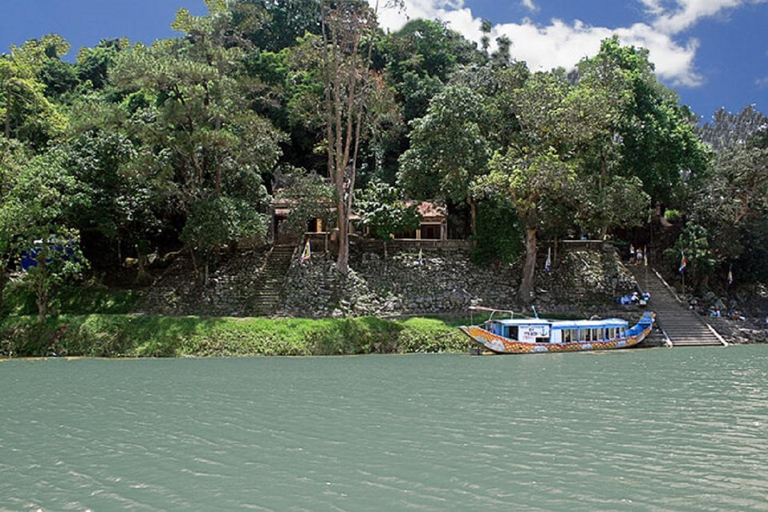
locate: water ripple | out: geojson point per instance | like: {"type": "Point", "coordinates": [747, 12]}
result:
{"type": "Point", "coordinates": [649, 430]}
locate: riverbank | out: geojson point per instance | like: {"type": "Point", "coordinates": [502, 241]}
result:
{"type": "Point", "coordinates": [105, 335]}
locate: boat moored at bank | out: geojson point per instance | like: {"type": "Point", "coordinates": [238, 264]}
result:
{"type": "Point", "coordinates": [537, 335]}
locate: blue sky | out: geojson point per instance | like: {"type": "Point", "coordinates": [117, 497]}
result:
{"type": "Point", "coordinates": [714, 53]}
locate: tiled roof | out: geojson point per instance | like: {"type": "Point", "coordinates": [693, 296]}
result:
{"type": "Point", "coordinates": [430, 210]}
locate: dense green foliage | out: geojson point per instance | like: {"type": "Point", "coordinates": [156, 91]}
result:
{"type": "Point", "coordinates": [154, 336]}
{"type": "Point", "coordinates": [135, 150]}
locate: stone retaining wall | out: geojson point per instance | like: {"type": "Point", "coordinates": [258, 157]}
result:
{"type": "Point", "coordinates": [440, 281]}
{"type": "Point", "coordinates": [228, 291]}
{"type": "Point", "coordinates": [445, 282]}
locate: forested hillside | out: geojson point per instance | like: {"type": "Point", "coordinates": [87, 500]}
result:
{"type": "Point", "coordinates": [181, 145]}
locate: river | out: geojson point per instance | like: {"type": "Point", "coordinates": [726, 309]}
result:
{"type": "Point", "coordinates": [655, 429]}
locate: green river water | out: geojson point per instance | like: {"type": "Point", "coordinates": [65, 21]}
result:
{"type": "Point", "coordinates": [656, 429]}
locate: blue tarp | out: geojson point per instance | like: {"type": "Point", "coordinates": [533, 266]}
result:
{"type": "Point", "coordinates": [29, 257]}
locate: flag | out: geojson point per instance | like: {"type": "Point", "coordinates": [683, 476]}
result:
{"type": "Point", "coordinates": [548, 263]}
{"type": "Point", "coordinates": [645, 256]}
{"type": "Point", "coordinates": [306, 253]}
{"type": "Point", "coordinates": [421, 257]}
{"type": "Point", "coordinates": [730, 276]}
{"type": "Point", "coordinates": [683, 263]}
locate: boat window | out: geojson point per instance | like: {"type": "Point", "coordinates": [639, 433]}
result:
{"type": "Point", "coordinates": [566, 336]}
{"type": "Point", "coordinates": [512, 332]}
{"type": "Point", "coordinates": [542, 340]}
{"type": "Point", "coordinates": [574, 335]}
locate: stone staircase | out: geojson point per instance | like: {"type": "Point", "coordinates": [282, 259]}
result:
{"type": "Point", "coordinates": [265, 298]}
{"type": "Point", "coordinates": [676, 323]}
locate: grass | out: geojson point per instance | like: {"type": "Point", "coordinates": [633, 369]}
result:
{"type": "Point", "coordinates": [97, 322]}
{"type": "Point", "coordinates": [123, 335]}
{"type": "Point", "coordinates": [71, 300]}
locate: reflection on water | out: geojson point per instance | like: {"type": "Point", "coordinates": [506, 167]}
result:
{"type": "Point", "coordinates": [681, 429]}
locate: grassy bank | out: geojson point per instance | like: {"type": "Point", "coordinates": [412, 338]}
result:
{"type": "Point", "coordinates": [120, 335]}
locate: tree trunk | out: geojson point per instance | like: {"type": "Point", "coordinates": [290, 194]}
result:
{"type": "Point", "coordinates": [3, 279]}
{"type": "Point", "coordinates": [526, 286]}
{"type": "Point", "coordinates": [342, 261]}
{"type": "Point", "coordinates": [42, 289]}
{"type": "Point", "coordinates": [472, 215]}
{"type": "Point", "coordinates": [194, 262]}
{"type": "Point", "coordinates": [142, 276]}
{"type": "Point", "coordinates": [8, 113]}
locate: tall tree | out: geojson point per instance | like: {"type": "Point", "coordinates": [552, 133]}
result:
{"type": "Point", "coordinates": [93, 64]}
{"type": "Point", "coordinates": [13, 158]}
{"type": "Point", "coordinates": [448, 149]}
{"type": "Point", "coordinates": [27, 114]}
{"type": "Point", "coordinates": [38, 204]}
{"type": "Point", "coordinates": [201, 123]}
{"type": "Point", "coordinates": [727, 130]}
{"type": "Point", "coordinates": [353, 98]}
{"type": "Point", "coordinates": [597, 106]}
{"type": "Point", "coordinates": [658, 143]}
{"type": "Point", "coordinates": [281, 22]}
{"type": "Point", "coordinates": [536, 168]}
{"type": "Point", "coordinates": [529, 179]}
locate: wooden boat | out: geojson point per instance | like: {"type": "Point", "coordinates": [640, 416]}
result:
{"type": "Point", "coordinates": [536, 335]}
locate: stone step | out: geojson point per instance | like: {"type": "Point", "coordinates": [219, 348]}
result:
{"type": "Point", "coordinates": [696, 342]}
{"type": "Point", "coordinates": [683, 327]}
{"type": "Point", "coordinates": [265, 295]}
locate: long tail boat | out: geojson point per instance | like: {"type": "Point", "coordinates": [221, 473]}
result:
{"type": "Point", "coordinates": [537, 335]}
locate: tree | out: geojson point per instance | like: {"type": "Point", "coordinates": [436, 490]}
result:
{"type": "Point", "coordinates": [730, 205]}
{"type": "Point", "coordinates": [26, 112]}
{"type": "Point", "coordinates": [38, 204]}
{"type": "Point", "coordinates": [13, 157]}
{"type": "Point", "coordinates": [281, 22]}
{"type": "Point", "coordinates": [420, 58]}
{"type": "Point", "coordinates": [93, 64]}
{"type": "Point", "coordinates": [609, 196]}
{"type": "Point", "coordinates": [448, 150]}
{"type": "Point", "coordinates": [534, 165]}
{"type": "Point", "coordinates": [733, 198]}
{"type": "Point", "coordinates": [353, 101]}
{"type": "Point", "coordinates": [199, 123]}
{"type": "Point", "coordinates": [383, 213]}
{"type": "Point", "coordinates": [727, 130]}
{"type": "Point", "coordinates": [529, 179]}
{"type": "Point", "coordinates": [309, 196]}
{"type": "Point", "coordinates": [121, 192]}
{"type": "Point", "coordinates": [658, 143]}
{"type": "Point", "coordinates": [693, 244]}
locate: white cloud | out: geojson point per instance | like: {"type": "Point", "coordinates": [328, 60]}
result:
{"type": "Point", "coordinates": [688, 12]}
{"type": "Point", "coordinates": [762, 83]}
{"type": "Point", "coordinates": [560, 44]}
{"type": "Point", "coordinates": [684, 14]}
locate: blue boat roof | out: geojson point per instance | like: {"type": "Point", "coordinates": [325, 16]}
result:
{"type": "Point", "coordinates": [590, 324]}
{"type": "Point", "coordinates": [567, 324]}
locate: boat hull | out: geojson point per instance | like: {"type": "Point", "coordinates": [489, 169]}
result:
{"type": "Point", "coordinates": [501, 345]}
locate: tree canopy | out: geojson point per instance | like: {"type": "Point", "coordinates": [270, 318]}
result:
{"type": "Point", "coordinates": [182, 144]}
